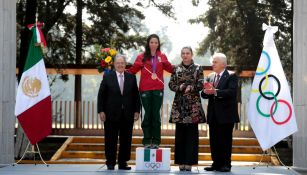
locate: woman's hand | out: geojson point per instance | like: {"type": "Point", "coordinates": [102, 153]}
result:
{"type": "Point", "coordinates": [188, 89]}
{"type": "Point", "coordinates": [182, 87]}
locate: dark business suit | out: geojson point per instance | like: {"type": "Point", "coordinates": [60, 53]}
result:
{"type": "Point", "coordinates": [119, 110]}
{"type": "Point", "coordinates": [222, 113]}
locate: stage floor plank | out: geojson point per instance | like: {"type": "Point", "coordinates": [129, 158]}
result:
{"type": "Point", "coordinates": [69, 169]}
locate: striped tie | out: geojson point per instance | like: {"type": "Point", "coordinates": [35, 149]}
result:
{"type": "Point", "coordinates": [121, 83]}
{"type": "Point", "coordinates": [217, 80]}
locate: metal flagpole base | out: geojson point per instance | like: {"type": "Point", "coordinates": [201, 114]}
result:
{"type": "Point", "coordinates": [279, 159]}
{"type": "Point", "coordinates": [265, 153]}
{"type": "Point", "coordinates": [270, 153]}
{"type": "Point", "coordinates": [32, 151]}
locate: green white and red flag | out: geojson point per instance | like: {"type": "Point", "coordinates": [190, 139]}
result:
{"type": "Point", "coordinates": [153, 155]}
{"type": "Point", "coordinates": [33, 101]}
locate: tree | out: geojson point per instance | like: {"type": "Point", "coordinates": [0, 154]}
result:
{"type": "Point", "coordinates": [235, 29]}
{"type": "Point", "coordinates": [111, 23]}
{"type": "Point", "coordinates": [79, 41]}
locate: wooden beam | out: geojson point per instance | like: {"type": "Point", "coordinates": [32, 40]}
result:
{"type": "Point", "coordinates": [60, 151]}
{"type": "Point", "coordinates": [91, 71]}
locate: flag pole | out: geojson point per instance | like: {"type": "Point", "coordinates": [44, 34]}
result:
{"type": "Point", "coordinates": [265, 153]}
{"type": "Point", "coordinates": [32, 151]}
{"type": "Point", "coordinates": [36, 16]}
{"type": "Point", "coordinates": [26, 150]}
{"type": "Point", "coordinates": [279, 158]}
{"type": "Point", "coordinates": [270, 152]}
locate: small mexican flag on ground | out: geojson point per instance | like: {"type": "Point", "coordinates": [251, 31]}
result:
{"type": "Point", "coordinates": [152, 155]}
{"type": "Point", "coordinates": [153, 159]}
{"type": "Point", "coordinates": [33, 100]}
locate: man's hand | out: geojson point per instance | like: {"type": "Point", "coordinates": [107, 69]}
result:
{"type": "Point", "coordinates": [208, 85]}
{"type": "Point", "coordinates": [102, 116]}
{"type": "Point", "coordinates": [136, 116]}
{"type": "Point", "coordinates": [209, 91]}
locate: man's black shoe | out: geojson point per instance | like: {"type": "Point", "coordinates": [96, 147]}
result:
{"type": "Point", "coordinates": [224, 169]}
{"type": "Point", "coordinates": [124, 168]}
{"type": "Point", "coordinates": [210, 168]}
{"type": "Point", "coordinates": [110, 167]}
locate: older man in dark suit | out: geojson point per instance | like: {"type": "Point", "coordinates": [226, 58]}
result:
{"type": "Point", "coordinates": [222, 113]}
{"type": "Point", "coordinates": [118, 107]}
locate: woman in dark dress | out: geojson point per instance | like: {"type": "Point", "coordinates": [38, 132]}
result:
{"type": "Point", "coordinates": [187, 112]}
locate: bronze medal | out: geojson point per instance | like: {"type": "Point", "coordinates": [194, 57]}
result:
{"type": "Point", "coordinates": [153, 76]}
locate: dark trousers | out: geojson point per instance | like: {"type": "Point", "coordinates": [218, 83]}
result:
{"type": "Point", "coordinates": [221, 143]}
{"type": "Point", "coordinates": [151, 123]}
{"type": "Point", "coordinates": [113, 129]}
{"type": "Point", "coordinates": [186, 144]}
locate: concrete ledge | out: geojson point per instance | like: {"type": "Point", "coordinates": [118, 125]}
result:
{"type": "Point", "coordinates": [300, 169]}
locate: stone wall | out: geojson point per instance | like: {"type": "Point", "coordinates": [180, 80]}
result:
{"type": "Point", "coordinates": [7, 79]}
{"type": "Point", "coordinates": [300, 83]}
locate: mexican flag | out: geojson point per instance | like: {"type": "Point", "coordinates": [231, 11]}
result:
{"type": "Point", "coordinates": [152, 155]}
{"type": "Point", "coordinates": [270, 109]}
{"type": "Point", "coordinates": [153, 159]}
{"type": "Point", "coordinates": [33, 100]}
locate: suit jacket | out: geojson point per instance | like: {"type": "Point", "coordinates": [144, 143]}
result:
{"type": "Point", "coordinates": [223, 106]}
{"type": "Point", "coordinates": [112, 102]}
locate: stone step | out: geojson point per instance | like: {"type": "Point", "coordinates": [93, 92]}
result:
{"type": "Point", "coordinates": [91, 149]}
{"type": "Point", "coordinates": [202, 148]}
{"type": "Point", "coordinates": [170, 140]}
{"type": "Point", "coordinates": [201, 156]}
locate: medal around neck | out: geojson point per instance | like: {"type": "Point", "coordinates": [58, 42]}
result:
{"type": "Point", "coordinates": [154, 76]}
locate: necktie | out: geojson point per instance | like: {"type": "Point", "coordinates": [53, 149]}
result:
{"type": "Point", "coordinates": [121, 83]}
{"type": "Point", "coordinates": [217, 79]}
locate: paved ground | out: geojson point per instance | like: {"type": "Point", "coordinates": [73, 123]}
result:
{"type": "Point", "coordinates": [56, 169]}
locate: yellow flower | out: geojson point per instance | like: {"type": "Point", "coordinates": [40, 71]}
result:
{"type": "Point", "coordinates": [108, 59]}
{"type": "Point", "coordinates": [112, 52]}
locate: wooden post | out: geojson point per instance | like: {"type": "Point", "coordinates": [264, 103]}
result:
{"type": "Point", "coordinates": [7, 79]}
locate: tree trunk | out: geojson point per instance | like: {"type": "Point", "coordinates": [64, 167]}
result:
{"type": "Point", "coordinates": [21, 139]}
{"type": "Point", "coordinates": [79, 34]}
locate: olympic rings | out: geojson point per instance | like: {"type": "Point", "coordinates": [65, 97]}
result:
{"type": "Point", "coordinates": [269, 63]}
{"type": "Point", "coordinates": [258, 108]}
{"type": "Point", "coordinates": [153, 165]}
{"type": "Point", "coordinates": [265, 83]}
{"type": "Point", "coordinates": [260, 90]}
{"type": "Point", "coordinates": [273, 108]}
{"type": "Point", "coordinates": [289, 116]}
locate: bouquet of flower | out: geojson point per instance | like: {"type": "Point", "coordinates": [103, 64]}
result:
{"type": "Point", "coordinates": [105, 58]}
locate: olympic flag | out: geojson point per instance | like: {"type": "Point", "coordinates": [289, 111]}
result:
{"type": "Point", "coordinates": [270, 108]}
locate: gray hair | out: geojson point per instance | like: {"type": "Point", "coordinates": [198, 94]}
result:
{"type": "Point", "coordinates": [120, 56]}
{"type": "Point", "coordinates": [220, 56]}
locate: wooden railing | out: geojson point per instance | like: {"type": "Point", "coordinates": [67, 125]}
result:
{"type": "Point", "coordinates": [64, 119]}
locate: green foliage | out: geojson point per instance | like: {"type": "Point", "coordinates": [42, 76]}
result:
{"type": "Point", "coordinates": [236, 30]}
{"type": "Point", "coordinates": [106, 22]}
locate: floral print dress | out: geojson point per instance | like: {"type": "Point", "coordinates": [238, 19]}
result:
{"type": "Point", "coordinates": [187, 107]}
